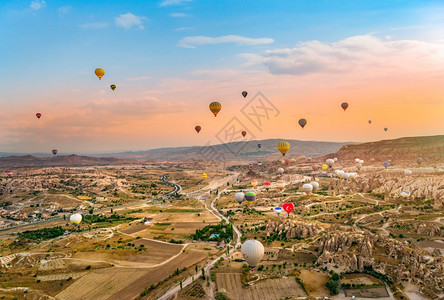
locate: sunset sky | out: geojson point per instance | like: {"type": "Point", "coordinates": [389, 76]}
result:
{"type": "Point", "coordinates": [170, 59]}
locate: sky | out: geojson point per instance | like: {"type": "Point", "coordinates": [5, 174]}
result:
{"type": "Point", "coordinates": [171, 58]}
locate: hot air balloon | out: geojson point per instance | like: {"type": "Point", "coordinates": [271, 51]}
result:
{"type": "Point", "coordinates": [346, 176]}
{"type": "Point", "coordinates": [99, 73]}
{"type": "Point", "coordinates": [278, 210]}
{"type": "Point", "coordinates": [287, 162]}
{"type": "Point", "coordinates": [369, 121]}
{"type": "Point", "coordinates": [357, 160]}
{"type": "Point", "coordinates": [385, 129]}
{"type": "Point", "coordinates": [324, 173]}
{"type": "Point", "coordinates": [283, 147]}
{"type": "Point", "coordinates": [324, 167]}
{"type": "Point", "coordinates": [215, 107]}
{"type": "Point", "coordinates": [280, 170]}
{"type": "Point", "coordinates": [250, 165]}
{"type": "Point", "coordinates": [314, 167]}
{"type": "Point", "coordinates": [239, 197]}
{"type": "Point", "coordinates": [244, 133]}
{"type": "Point", "coordinates": [204, 175]}
{"type": "Point", "coordinates": [282, 161]}
{"type": "Point", "coordinates": [38, 115]}
{"type": "Point", "coordinates": [344, 105]}
{"type": "Point", "coordinates": [75, 219]}
{"type": "Point", "coordinates": [265, 165]}
{"type": "Point", "coordinates": [329, 162]}
{"type": "Point", "coordinates": [259, 145]}
{"type": "Point", "coordinates": [339, 173]}
{"type": "Point", "coordinates": [55, 151]}
{"type": "Point", "coordinates": [244, 93]}
{"type": "Point", "coordinates": [266, 184]}
{"type": "Point", "coordinates": [335, 159]}
{"type": "Point", "coordinates": [359, 166]}
{"type": "Point", "coordinates": [419, 160]}
{"type": "Point", "coordinates": [361, 161]}
{"type": "Point", "coordinates": [253, 252]}
{"type": "Point", "coordinates": [254, 183]}
{"type": "Point", "coordinates": [307, 188]}
{"type": "Point", "coordinates": [315, 186]}
{"type": "Point", "coordinates": [408, 172]}
{"type": "Point", "coordinates": [197, 128]}
{"type": "Point", "coordinates": [9, 173]}
{"type": "Point", "coordinates": [280, 184]}
{"type": "Point", "coordinates": [372, 159]}
{"type": "Point", "coordinates": [259, 163]}
{"type": "Point", "coordinates": [405, 194]}
{"type": "Point", "coordinates": [250, 197]}
{"type": "Point", "coordinates": [288, 207]}
{"type": "Point", "coordinates": [113, 86]}
{"type": "Point", "coordinates": [309, 159]}
{"type": "Point", "coordinates": [385, 164]}
{"type": "Point", "coordinates": [302, 123]}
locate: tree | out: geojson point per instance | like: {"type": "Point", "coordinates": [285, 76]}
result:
{"type": "Point", "coordinates": [203, 273]}
{"type": "Point", "coordinates": [180, 283]}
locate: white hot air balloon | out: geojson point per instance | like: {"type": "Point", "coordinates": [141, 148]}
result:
{"type": "Point", "coordinates": [408, 172]}
{"type": "Point", "coordinates": [280, 170]}
{"type": "Point", "coordinates": [75, 219]}
{"type": "Point", "coordinates": [346, 176]}
{"type": "Point", "coordinates": [307, 188]}
{"type": "Point", "coordinates": [253, 252]}
{"type": "Point", "coordinates": [315, 186]}
{"type": "Point", "coordinates": [329, 162]}
{"type": "Point", "coordinates": [339, 173]}
{"type": "Point", "coordinates": [335, 159]}
{"type": "Point", "coordinates": [361, 161]}
{"type": "Point", "coordinates": [239, 197]}
{"type": "Point", "coordinates": [405, 194]}
{"type": "Point", "coordinates": [357, 160]}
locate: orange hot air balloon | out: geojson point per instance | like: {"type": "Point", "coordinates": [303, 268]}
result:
{"type": "Point", "coordinates": [215, 107]}
{"type": "Point", "coordinates": [99, 73]}
{"type": "Point", "coordinates": [244, 133]}
{"type": "Point", "coordinates": [197, 128]}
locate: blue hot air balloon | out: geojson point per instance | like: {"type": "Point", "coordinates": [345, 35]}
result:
{"type": "Point", "coordinates": [278, 210]}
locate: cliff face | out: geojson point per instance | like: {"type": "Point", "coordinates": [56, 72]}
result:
{"type": "Point", "coordinates": [398, 260]}
{"type": "Point", "coordinates": [429, 148]}
{"type": "Point", "coordinates": [292, 229]}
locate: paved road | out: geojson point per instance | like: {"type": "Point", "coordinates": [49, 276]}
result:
{"type": "Point", "coordinates": [171, 292]}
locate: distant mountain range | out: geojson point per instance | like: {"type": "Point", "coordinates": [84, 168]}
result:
{"type": "Point", "coordinates": [57, 161]}
{"type": "Point", "coordinates": [234, 151]}
{"type": "Point", "coordinates": [429, 148]}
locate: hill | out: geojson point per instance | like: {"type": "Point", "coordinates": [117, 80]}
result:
{"type": "Point", "coordinates": [430, 148]}
{"type": "Point", "coordinates": [234, 151]}
{"type": "Point", "coordinates": [63, 160]}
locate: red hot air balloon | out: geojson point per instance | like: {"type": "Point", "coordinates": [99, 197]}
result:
{"type": "Point", "coordinates": [244, 133]}
{"type": "Point", "coordinates": [54, 151]}
{"type": "Point", "coordinates": [314, 167]}
{"type": "Point", "coordinates": [9, 173]}
{"type": "Point", "coordinates": [288, 207]}
{"type": "Point", "coordinates": [38, 115]}
{"type": "Point", "coordinates": [197, 128]}
{"type": "Point", "coordinates": [344, 105]}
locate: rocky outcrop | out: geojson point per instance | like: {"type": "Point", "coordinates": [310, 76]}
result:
{"type": "Point", "coordinates": [292, 229]}
{"type": "Point", "coordinates": [355, 251]}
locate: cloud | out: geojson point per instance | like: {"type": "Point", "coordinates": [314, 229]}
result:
{"type": "Point", "coordinates": [178, 15]}
{"type": "Point", "coordinates": [173, 2]}
{"type": "Point", "coordinates": [139, 78]}
{"type": "Point", "coordinates": [193, 41]}
{"type": "Point", "coordinates": [357, 53]}
{"type": "Point", "coordinates": [63, 10]}
{"type": "Point", "coordinates": [129, 20]}
{"type": "Point", "coordinates": [183, 28]}
{"type": "Point", "coordinates": [95, 25]}
{"type": "Point", "coordinates": [37, 4]}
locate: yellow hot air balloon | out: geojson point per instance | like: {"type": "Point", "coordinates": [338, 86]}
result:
{"type": "Point", "coordinates": [100, 72]}
{"type": "Point", "coordinates": [254, 183]}
{"type": "Point", "coordinates": [204, 175]}
{"type": "Point", "coordinates": [215, 107]}
{"type": "Point", "coordinates": [283, 147]}
{"type": "Point", "coordinates": [324, 167]}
